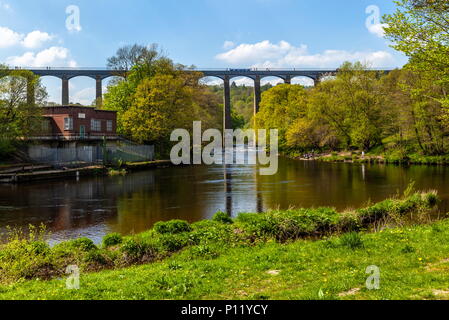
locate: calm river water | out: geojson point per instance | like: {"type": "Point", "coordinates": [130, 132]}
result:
{"type": "Point", "coordinates": [93, 207]}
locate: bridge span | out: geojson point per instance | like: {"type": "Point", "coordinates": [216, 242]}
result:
{"type": "Point", "coordinates": [256, 74]}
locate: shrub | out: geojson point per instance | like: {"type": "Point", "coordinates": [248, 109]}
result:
{"type": "Point", "coordinates": [375, 212]}
{"type": "Point", "coordinates": [112, 239]}
{"type": "Point", "coordinates": [23, 259]}
{"type": "Point", "coordinates": [259, 225]}
{"type": "Point", "coordinates": [132, 248]}
{"type": "Point", "coordinates": [223, 218]}
{"type": "Point", "coordinates": [138, 250]}
{"type": "Point", "coordinates": [172, 227]}
{"type": "Point", "coordinates": [291, 224]}
{"type": "Point", "coordinates": [209, 231]}
{"type": "Point", "coordinates": [84, 244]}
{"type": "Point", "coordinates": [351, 240]}
{"type": "Point", "coordinates": [95, 257]}
{"type": "Point", "coordinates": [172, 242]}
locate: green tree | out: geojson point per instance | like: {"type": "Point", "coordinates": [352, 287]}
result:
{"type": "Point", "coordinates": [18, 117]}
{"type": "Point", "coordinates": [352, 105]}
{"type": "Point", "coordinates": [161, 104]}
{"type": "Point", "coordinates": [420, 29]}
{"type": "Point", "coordinates": [416, 118]}
{"type": "Point", "coordinates": [280, 107]}
{"type": "Point", "coordinates": [159, 96]}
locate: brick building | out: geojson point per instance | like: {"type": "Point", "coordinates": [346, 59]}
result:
{"type": "Point", "coordinates": [79, 123]}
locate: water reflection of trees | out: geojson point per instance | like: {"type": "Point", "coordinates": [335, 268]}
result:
{"type": "Point", "coordinates": [344, 185]}
{"type": "Point", "coordinates": [133, 203]}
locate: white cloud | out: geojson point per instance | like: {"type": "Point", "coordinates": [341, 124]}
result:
{"type": "Point", "coordinates": [243, 81]}
{"type": "Point", "coordinates": [284, 55]}
{"type": "Point", "coordinates": [261, 51]}
{"type": "Point", "coordinates": [51, 57]}
{"type": "Point", "coordinates": [306, 82]}
{"type": "Point", "coordinates": [228, 45]}
{"type": "Point", "coordinates": [273, 81]}
{"type": "Point", "coordinates": [9, 38]}
{"type": "Point", "coordinates": [378, 29]}
{"type": "Point", "coordinates": [211, 81]}
{"type": "Point", "coordinates": [36, 38]}
{"type": "Point", "coordinates": [4, 5]}
{"type": "Point", "coordinates": [85, 96]}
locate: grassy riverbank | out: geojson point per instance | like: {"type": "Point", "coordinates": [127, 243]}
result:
{"type": "Point", "coordinates": [253, 256]}
{"type": "Point", "coordinates": [372, 157]}
{"type": "Point", "coordinates": [413, 264]}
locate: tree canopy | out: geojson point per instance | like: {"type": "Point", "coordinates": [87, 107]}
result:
{"type": "Point", "coordinates": [19, 117]}
{"type": "Point", "coordinates": [159, 96]}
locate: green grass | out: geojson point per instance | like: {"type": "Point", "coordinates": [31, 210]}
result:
{"type": "Point", "coordinates": [256, 256]}
{"type": "Point", "coordinates": [413, 262]}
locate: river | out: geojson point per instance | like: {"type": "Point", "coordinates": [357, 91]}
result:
{"type": "Point", "coordinates": [93, 207]}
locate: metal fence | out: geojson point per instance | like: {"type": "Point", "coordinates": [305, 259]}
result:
{"type": "Point", "coordinates": [129, 153]}
{"type": "Point", "coordinates": [121, 152]}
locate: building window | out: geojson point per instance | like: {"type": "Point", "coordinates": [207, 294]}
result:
{"type": "Point", "coordinates": [109, 125]}
{"type": "Point", "coordinates": [95, 125]}
{"type": "Point", "coordinates": [68, 124]}
{"type": "Point", "coordinates": [81, 116]}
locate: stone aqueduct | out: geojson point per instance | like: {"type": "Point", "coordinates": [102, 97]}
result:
{"type": "Point", "coordinates": [65, 74]}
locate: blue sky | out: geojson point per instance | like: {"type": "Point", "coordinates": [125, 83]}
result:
{"type": "Point", "coordinates": [206, 33]}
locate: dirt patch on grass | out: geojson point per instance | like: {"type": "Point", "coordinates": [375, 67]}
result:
{"type": "Point", "coordinates": [351, 292]}
{"type": "Point", "coordinates": [274, 272]}
{"type": "Point", "coordinates": [442, 265]}
{"type": "Point", "coordinates": [441, 294]}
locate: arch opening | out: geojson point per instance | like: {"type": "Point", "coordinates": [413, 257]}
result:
{"type": "Point", "coordinates": [211, 81]}
{"type": "Point", "coordinates": [271, 81]}
{"type": "Point", "coordinates": [53, 86]}
{"type": "Point", "coordinates": [85, 90]}
{"type": "Point", "coordinates": [303, 81]}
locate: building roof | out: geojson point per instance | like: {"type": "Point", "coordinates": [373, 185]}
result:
{"type": "Point", "coordinates": [77, 107]}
